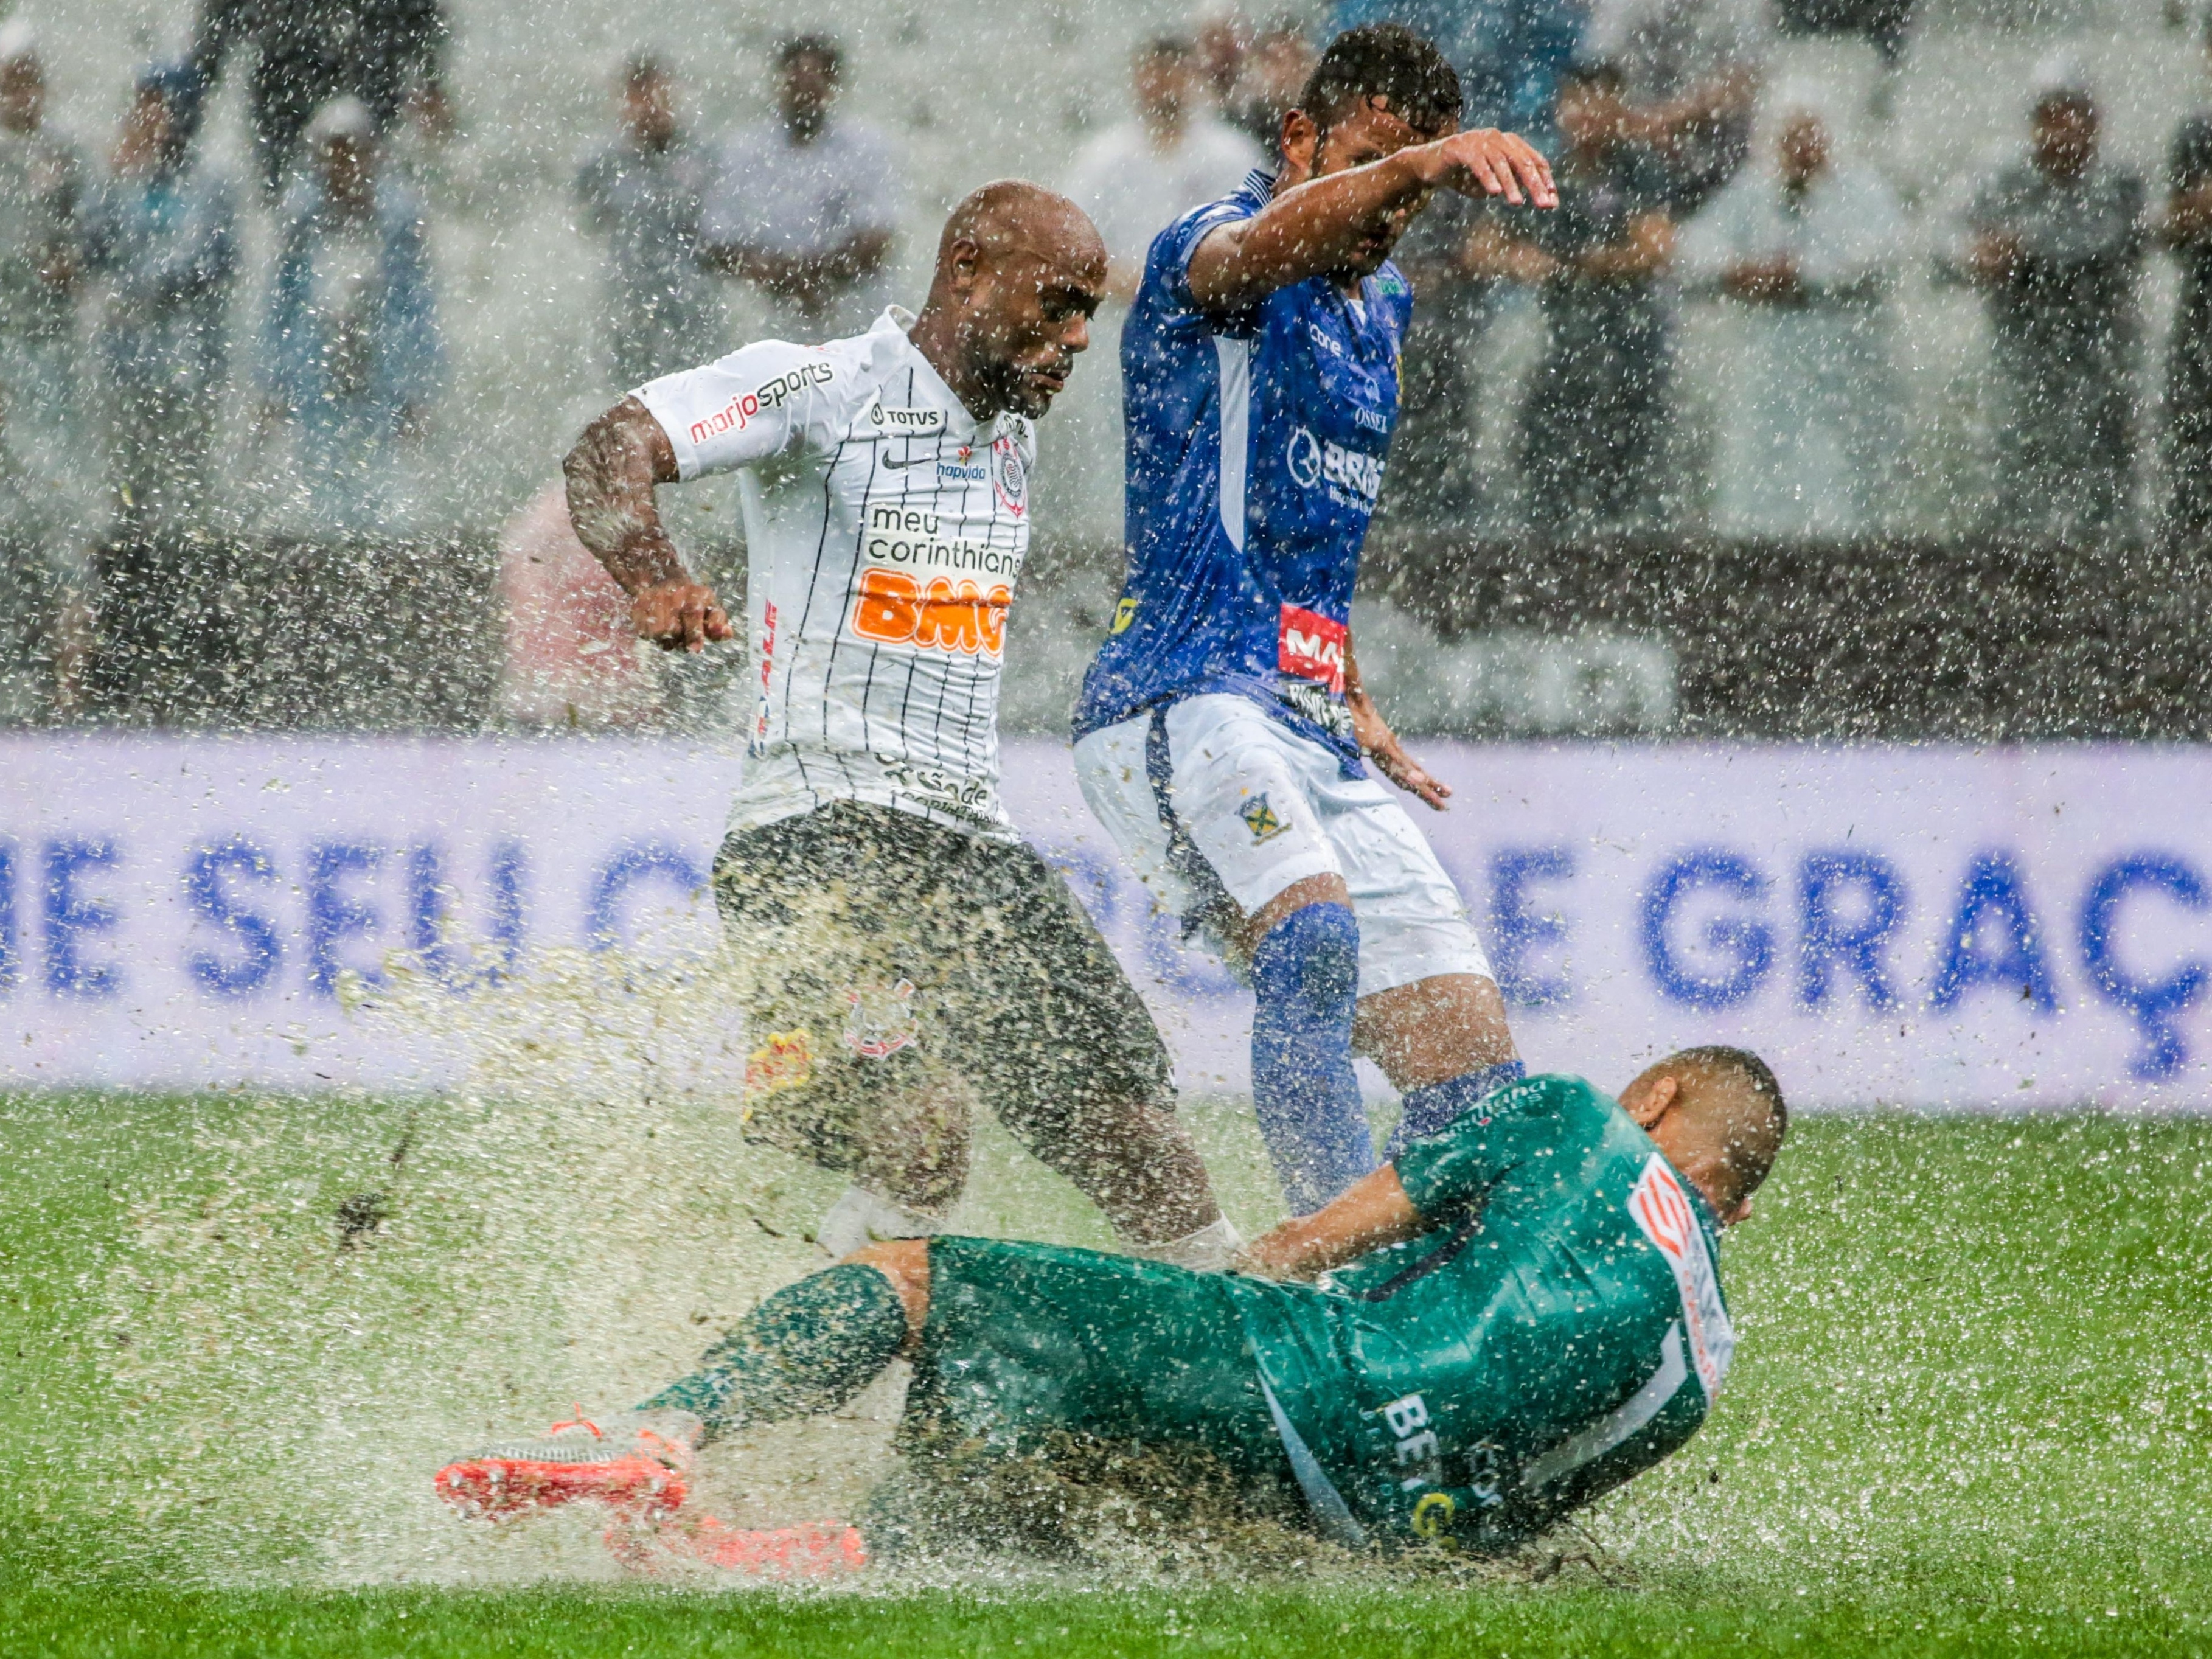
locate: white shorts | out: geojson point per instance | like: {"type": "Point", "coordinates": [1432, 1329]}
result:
{"type": "Point", "coordinates": [1262, 809]}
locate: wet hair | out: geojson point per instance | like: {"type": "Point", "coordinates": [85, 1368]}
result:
{"type": "Point", "coordinates": [820, 47]}
{"type": "Point", "coordinates": [1755, 1073]}
{"type": "Point", "coordinates": [1387, 61]}
{"type": "Point", "coordinates": [1168, 45]}
{"type": "Point", "coordinates": [640, 68]}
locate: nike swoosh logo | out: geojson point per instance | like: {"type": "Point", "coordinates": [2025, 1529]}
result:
{"type": "Point", "coordinates": [900, 466]}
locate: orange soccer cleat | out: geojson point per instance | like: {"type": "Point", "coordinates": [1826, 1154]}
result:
{"type": "Point", "coordinates": [640, 1465]}
{"type": "Point", "coordinates": [826, 1549]}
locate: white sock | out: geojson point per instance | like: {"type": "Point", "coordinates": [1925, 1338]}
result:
{"type": "Point", "coordinates": [1208, 1250]}
{"type": "Point", "coordinates": [860, 1218]}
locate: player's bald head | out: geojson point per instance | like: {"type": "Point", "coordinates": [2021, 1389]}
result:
{"type": "Point", "coordinates": [1010, 218]}
{"type": "Point", "coordinates": [1019, 271]}
{"type": "Point", "coordinates": [1719, 1115]}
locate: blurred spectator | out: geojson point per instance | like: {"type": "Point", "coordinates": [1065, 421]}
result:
{"type": "Point", "coordinates": [1134, 178]}
{"type": "Point", "coordinates": [642, 192]}
{"type": "Point", "coordinates": [1806, 242]}
{"type": "Point", "coordinates": [1437, 489]}
{"type": "Point", "coordinates": [804, 206]}
{"type": "Point", "coordinates": [162, 233]}
{"type": "Point", "coordinates": [1271, 75]}
{"type": "Point", "coordinates": [43, 180]}
{"type": "Point", "coordinates": [388, 53]}
{"type": "Point", "coordinates": [1221, 40]}
{"type": "Point", "coordinates": [2055, 241]}
{"type": "Point", "coordinates": [573, 659]}
{"type": "Point", "coordinates": [2187, 229]}
{"type": "Point", "coordinates": [1691, 71]}
{"type": "Point", "coordinates": [45, 508]}
{"type": "Point", "coordinates": [350, 346]}
{"type": "Point", "coordinates": [1509, 54]}
{"type": "Point", "coordinates": [1594, 421]}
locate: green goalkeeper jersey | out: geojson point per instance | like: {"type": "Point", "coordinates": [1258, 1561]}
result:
{"type": "Point", "coordinates": [1558, 1328]}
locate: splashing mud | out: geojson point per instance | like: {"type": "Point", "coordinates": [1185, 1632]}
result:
{"type": "Point", "coordinates": [309, 1305]}
{"type": "Point", "coordinates": [252, 1325]}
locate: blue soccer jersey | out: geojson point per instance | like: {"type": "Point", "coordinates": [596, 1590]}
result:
{"type": "Point", "coordinates": [1257, 443]}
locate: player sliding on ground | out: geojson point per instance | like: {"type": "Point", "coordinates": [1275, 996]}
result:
{"type": "Point", "coordinates": [1221, 731]}
{"type": "Point", "coordinates": [1516, 1314]}
{"type": "Point", "coordinates": [904, 950]}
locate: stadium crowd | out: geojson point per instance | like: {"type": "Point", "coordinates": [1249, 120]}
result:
{"type": "Point", "coordinates": [1691, 171]}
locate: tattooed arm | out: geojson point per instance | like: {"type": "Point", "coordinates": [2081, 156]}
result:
{"type": "Point", "coordinates": [611, 472]}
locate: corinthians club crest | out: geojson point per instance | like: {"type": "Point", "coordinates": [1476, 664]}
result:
{"type": "Point", "coordinates": [879, 1021]}
{"type": "Point", "coordinates": [1009, 477]}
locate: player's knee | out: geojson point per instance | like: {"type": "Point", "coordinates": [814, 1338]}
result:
{"type": "Point", "coordinates": [1311, 958]}
{"type": "Point", "coordinates": [1327, 889]}
{"type": "Point", "coordinates": [895, 1258]}
{"type": "Point", "coordinates": [905, 1263]}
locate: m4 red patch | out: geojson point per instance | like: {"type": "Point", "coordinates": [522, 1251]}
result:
{"type": "Point", "coordinates": [1311, 646]}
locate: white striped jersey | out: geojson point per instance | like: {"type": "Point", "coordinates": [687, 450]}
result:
{"type": "Point", "coordinates": [884, 530]}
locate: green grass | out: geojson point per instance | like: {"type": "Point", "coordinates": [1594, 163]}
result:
{"type": "Point", "coordinates": [1972, 1410]}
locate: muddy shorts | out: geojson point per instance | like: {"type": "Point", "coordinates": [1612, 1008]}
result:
{"type": "Point", "coordinates": [892, 970]}
{"type": "Point", "coordinates": [1025, 1341]}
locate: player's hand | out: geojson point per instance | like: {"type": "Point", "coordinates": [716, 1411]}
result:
{"type": "Point", "coordinates": [1488, 163]}
{"type": "Point", "coordinates": [679, 615]}
{"type": "Point", "coordinates": [1380, 745]}
{"type": "Point", "coordinates": [1409, 775]}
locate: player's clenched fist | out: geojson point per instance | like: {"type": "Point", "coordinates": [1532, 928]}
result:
{"type": "Point", "coordinates": [1488, 163]}
{"type": "Point", "coordinates": [679, 615]}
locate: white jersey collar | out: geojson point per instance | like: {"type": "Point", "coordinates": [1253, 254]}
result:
{"type": "Point", "coordinates": [897, 320]}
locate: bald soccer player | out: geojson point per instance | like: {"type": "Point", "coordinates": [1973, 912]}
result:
{"type": "Point", "coordinates": [1521, 1312]}
{"type": "Point", "coordinates": [903, 953]}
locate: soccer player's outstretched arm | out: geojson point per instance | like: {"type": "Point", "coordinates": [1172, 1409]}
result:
{"type": "Point", "coordinates": [759, 401]}
{"type": "Point", "coordinates": [1318, 227]}
{"type": "Point", "coordinates": [1380, 744]}
{"type": "Point", "coordinates": [1516, 1142]}
{"type": "Point", "coordinates": [1371, 1212]}
{"type": "Point", "coordinates": [611, 472]}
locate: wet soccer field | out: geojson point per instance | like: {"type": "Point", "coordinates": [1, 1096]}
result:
{"type": "Point", "coordinates": [1972, 1411]}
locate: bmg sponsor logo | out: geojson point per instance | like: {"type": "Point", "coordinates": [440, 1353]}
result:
{"type": "Point", "coordinates": [890, 607]}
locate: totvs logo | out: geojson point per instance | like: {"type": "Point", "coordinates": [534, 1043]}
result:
{"type": "Point", "coordinates": [892, 608]}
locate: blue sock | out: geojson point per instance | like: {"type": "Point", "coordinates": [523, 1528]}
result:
{"type": "Point", "coordinates": [1306, 976]}
{"type": "Point", "coordinates": [1432, 1110]}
